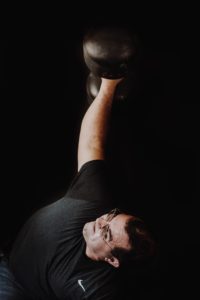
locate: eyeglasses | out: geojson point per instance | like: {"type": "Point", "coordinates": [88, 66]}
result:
{"type": "Point", "coordinates": [106, 229]}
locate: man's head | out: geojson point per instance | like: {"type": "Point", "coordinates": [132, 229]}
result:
{"type": "Point", "coordinates": [115, 237]}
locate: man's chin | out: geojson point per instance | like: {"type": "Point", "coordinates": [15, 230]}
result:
{"type": "Point", "coordinates": [85, 231]}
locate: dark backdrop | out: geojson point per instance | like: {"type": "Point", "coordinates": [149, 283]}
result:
{"type": "Point", "coordinates": [151, 147]}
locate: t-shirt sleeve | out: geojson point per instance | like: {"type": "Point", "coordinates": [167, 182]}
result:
{"type": "Point", "coordinates": [91, 182]}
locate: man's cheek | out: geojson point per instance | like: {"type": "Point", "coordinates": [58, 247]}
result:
{"type": "Point", "coordinates": [94, 236]}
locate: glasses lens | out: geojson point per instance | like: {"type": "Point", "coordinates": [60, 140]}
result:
{"type": "Point", "coordinates": [105, 232]}
{"type": "Point", "coordinates": [113, 213]}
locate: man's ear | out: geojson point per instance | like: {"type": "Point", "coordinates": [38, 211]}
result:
{"type": "Point", "coordinates": [113, 261]}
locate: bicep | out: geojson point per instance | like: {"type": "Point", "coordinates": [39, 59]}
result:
{"type": "Point", "coordinates": [86, 154]}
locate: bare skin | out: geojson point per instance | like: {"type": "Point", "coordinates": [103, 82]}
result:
{"type": "Point", "coordinates": [91, 146]}
{"type": "Point", "coordinates": [95, 124]}
{"type": "Point", "coordinates": [99, 249]}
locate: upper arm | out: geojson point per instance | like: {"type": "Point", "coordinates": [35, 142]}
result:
{"type": "Point", "coordinates": [86, 154]}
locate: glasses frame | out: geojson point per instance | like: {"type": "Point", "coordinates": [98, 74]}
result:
{"type": "Point", "coordinates": [111, 215]}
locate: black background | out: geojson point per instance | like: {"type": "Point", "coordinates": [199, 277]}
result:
{"type": "Point", "coordinates": [152, 146]}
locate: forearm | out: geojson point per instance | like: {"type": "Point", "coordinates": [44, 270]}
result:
{"type": "Point", "coordinates": [95, 123]}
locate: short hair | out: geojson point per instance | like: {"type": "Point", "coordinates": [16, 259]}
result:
{"type": "Point", "coordinates": [143, 246]}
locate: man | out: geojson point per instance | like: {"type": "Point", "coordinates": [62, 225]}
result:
{"type": "Point", "coordinates": [73, 248]}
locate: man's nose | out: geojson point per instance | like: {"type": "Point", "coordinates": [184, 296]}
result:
{"type": "Point", "coordinates": [101, 222]}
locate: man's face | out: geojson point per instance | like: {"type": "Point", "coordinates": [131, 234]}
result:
{"type": "Point", "coordinates": [102, 236]}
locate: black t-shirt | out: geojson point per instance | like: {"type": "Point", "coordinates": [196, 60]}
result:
{"type": "Point", "coordinates": [48, 257]}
